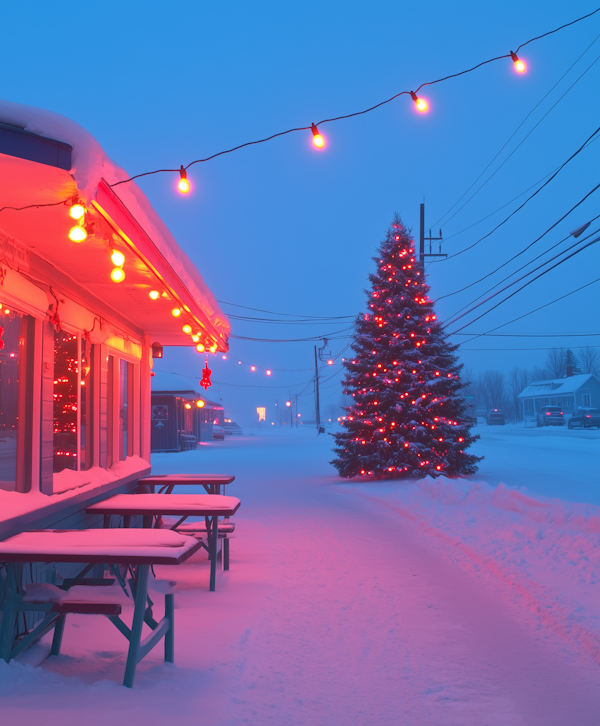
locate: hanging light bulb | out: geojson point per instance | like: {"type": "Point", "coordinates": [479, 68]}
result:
{"type": "Point", "coordinates": [252, 368]}
{"type": "Point", "coordinates": [117, 275]}
{"type": "Point", "coordinates": [195, 338]}
{"type": "Point", "coordinates": [268, 373]}
{"type": "Point", "coordinates": [176, 312]}
{"type": "Point", "coordinates": [318, 140]}
{"type": "Point", "coordinates": [421, 104]}
{"type": "Point", "coordinates": [78, 233]}
{"type": "Point", "coordinates": [187, 329]}
{"type": "Point", "coordinates": [200, 403]}
{"type": "Point", "coordinates": [184, 184]}
{"type": "Point", "coordinates": [77, 210]}
{"type": "Point", "coordinates": [213, 348]}
{"type": "Point", "coordinates": [188, 406]}
{"type": "Point", "coordinates": [154, 294]}
{"type": "Point", "coordinates": [200, 348]}
{"type": "Point", "coordinates": [520, 65]}
{"type": "Point", "coordinates": [117, 258]}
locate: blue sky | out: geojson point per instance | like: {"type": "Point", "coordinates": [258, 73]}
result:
{"type": "Point", "coordinates": [284, 228]}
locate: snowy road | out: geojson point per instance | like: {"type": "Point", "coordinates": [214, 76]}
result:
{"type": "Point", "coordinates": [374, 604]}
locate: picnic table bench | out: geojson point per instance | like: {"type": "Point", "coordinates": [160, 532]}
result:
{"type": "Point", "coordinates": [212, 483]}
{"type": "Point", "coordinates": [152, 506]}
{"type": "Point", "coordinates": [139, 548]}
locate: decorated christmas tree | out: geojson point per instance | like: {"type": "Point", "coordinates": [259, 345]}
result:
{"type": "Point", "coordinates": [408, 417]}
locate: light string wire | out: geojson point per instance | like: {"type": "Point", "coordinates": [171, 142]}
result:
{"type": "Point", "coordinates": [514, 134]}
{"type": "Point", "coordinates": [356, 113]}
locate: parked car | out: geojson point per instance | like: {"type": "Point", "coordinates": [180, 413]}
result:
{"type": "Point", "coordinates": [550, 416]}
{"type": "Point", "coordinates": [218, 433]}
{"type": "Point", "coordinates": [231, 428]}
{"type": "Point", "coordinates": [585, 417]}
{"type": "Point", "coordinates": [495, 417]}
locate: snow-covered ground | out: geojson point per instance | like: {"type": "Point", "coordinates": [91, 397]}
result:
{"type": "Point", "coordinates": [469, 602]}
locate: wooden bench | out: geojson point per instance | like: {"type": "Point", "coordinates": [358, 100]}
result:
{"type": "Point", "coordinates": [198, 531]}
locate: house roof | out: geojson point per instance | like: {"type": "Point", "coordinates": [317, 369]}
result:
{"type": "Point", "coordinates": [163, 382]}
{"type": "Point", "coordinates": [557, 386]}
{"type": "Point", "coordinates": [49, 172]}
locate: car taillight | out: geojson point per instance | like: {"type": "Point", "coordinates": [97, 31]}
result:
{"type": "Point", "coordinates": [588, 415]}
{"type": "Point", "coordinates": [547, 413]}
{"type": "Point", "coordinates": [561, 413]}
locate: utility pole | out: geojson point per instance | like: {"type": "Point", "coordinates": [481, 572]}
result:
{"type": "Point", "coordinates": [317, 407]}
{"type": "Point", "coordinates": [430, 239]}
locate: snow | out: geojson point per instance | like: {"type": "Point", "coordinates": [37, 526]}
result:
{"type": "Point", "coordinates": [449, 602]}
{"type": "Point", "coordinates": [90, 164]}
{"type": "Point", "coordinates": [170, 502]}
{"type": "Point", "coordinates": [558, 386]}
{"type": "Point", "coordinates": [98, 543]}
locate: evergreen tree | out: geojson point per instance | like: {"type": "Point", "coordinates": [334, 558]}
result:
{"type": "Point", "coordinates": [408, 417]}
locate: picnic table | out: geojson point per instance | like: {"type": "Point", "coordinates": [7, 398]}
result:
{"type": "Point", "coordinates": [151, 506]}
{"type": "Point", "coordinates": [139, 548]}
{"type": "Point", "coordinates": [212, 483]}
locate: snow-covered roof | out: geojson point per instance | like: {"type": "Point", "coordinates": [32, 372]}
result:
{"type": "Point", "coordinates": [94, 173]}
{"type": "Point", "coordinates": [557, 386]}
{"type": "Point", "coordinates": [163, 382]}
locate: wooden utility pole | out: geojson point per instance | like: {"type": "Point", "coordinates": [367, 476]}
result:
{"type": "Point", "coordinates": [317, 407]}
{"type": "Point", "coordinates": [429, 239]}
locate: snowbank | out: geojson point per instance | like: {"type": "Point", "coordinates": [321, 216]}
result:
{"type": "Point", "coordinates": [541, 554]}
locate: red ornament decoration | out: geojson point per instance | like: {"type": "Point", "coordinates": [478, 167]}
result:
{"type": "Point", "coordinates": [206, 373]}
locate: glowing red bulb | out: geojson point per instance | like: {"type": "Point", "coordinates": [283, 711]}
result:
{"type": "Point", "coordinates": [318, 140]}
{"type": "Point", "coordinates": [520, 65]}
{"type": "Point", "coordinates": [421, 104]}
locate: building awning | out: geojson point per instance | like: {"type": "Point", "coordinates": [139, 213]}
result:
{"type": "Point", "coordinates": [121, 218]}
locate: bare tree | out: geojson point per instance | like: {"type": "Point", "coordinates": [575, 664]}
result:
{"type": "Point", "coordinates": [589, 360]}
{"type": "Point", "coordinates": [494, 385]}
{"type": "Point", "coordinates": [539, 373]}
{"type": "Point", "coordinates": [556, 362]}
{"type": "Point", "coordinates": [332, 411]}
{"type": "Point", "coordinates": [518, 380]}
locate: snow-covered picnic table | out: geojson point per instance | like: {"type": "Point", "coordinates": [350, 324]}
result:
{"type": "Point", "coordinates": [151, 506]}
{"type": "Point", "coordinates": [211, 482]}
{"type": "Point", "coordinates": [133, 547]}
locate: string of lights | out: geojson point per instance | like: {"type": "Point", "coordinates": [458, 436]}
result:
{"type": "Point", "coordinates": [516, 131]}
{"type": "Point", "coordinates": [529, 282]}
{"type": "Point", "coordinates": [329, 336]}
{"type": "Point", "coordinates": [532, 335]}
{"type": "Point", "coordinates": [291, 315]}
{"type": "Point", "coordinates": [525, 315]}
{"type": "Point", "coordinates": [502, 350]}
{"type": "Point", "coordinates": [421, 105]}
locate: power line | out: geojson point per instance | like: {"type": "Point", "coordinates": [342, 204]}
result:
{"type": "Point", "coordinates": [545, 272]}
{"type": "Point", "coordinates": [293, 340]}
{"type": "Point", "coordinates": [357, 113]}
{"type": "Point", "coordinates": [531, 312]}
{"type": "Point", "coordinates": [501, 350]}
{"type": "Point", "coordinates": [518, 254]}
{"type": "Point", "coordinates": [291, 315]}
{"type": "Point", "coordinates": [531, 335]}
{"type": "Point", "coordinates": [518, 209]}
{"type": "Point", "coordinates": [515, 132]}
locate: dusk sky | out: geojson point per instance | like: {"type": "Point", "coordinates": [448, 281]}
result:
{"type": "Point", "coordinates": [285, 228]}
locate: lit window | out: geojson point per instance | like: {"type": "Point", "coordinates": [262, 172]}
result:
{"type": "Point", "coordinates": [72, 395]}
{"type": "Point", "coordinates": [125, 409]}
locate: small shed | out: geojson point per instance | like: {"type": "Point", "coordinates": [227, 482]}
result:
{"type": "Point", "coordinates": [570, 393]}
{"type": "Point", "coordinates": [181, 416]}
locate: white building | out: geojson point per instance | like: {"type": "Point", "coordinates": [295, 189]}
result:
{"type": "Point", "coordinates": [581, 391]}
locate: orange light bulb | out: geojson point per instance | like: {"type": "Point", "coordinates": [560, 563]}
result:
{"type": "Point", "coordinates": [420, 103]}
{"type": "Point", "coordinates": [183, 184]}
{"type": "Point", "coordinates": [117, 258]}
{"type": "Point", "coordinates": [176, 312]}
{"type": "Point", "coordinates": [520, 65]}
{"type": "Point", "coordinates": [213, 348]}
{"type": "Point", "coordinates": [117, 275]}
{"type": "Point", "coordinates": [195, 338]}
{"type": "Point", "coordinates": [200, 348]}
{"type": "Point", "coordinates": [154, 294]}
{"type": "Point", "coordinates": [77, 234]}
{"type": "Point", "coordinates": [187, 329]}
{"type": "Point", "coordinates": [77, 211]}
{"type": "Point", "coordinates": [200, 404]}
{"type": "Point", "coordinates": [318, 140]}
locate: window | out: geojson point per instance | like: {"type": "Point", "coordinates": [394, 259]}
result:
{"type": "Point", "coordinates": [16, 331]}
{"type": "Point", "coordinates": [528, 404]}
{"type": "Point", "coordinates": [72, 399]}
{"type": "Point", "coordinates": [125, 409]}
{"type": "Point", "coordinates": [586, 399]}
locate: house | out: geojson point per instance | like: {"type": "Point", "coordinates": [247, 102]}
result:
{"type": "Point", "coordinates": [92, 286]}
{"type": "Point", "coordinates": [569, 393]}
{"type": "Point", "coordinates": [181, 415]}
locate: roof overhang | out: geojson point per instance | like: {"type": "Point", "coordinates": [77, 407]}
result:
{"type": "Point", "coordinates": [44, 231]}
